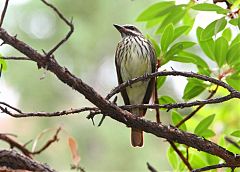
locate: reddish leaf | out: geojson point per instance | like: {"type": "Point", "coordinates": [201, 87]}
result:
{"type": "Point", "coordinates": [74, 150]}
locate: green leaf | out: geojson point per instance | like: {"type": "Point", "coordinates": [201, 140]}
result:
{"type": "Point", "coordinates": [208, 133]}
{"type": "Point", "coordinates": [210, 7]}
{"type": "Point", "coordinates": [167, 37]}
{"type": "Point", "coordinates": [213, 28]}
{"type": "Point", "coordinates": [156, 10]}
{"type": "Point", "coordinates": [193, 88]}
{"type": "Point", "coordinates": [233, 148]}
{"type": "Point", "coordinates": [235, 40]}
{"type": "Point", "coordinates": [236, 133]}
{"type": "Point", "coordinates": [160, 81]}
{"type": "Point", "coordinates": [197, 161]}
{"type": "Point", "coordinates": [172, 158]}
{"type": "Point", "coordinates": [154, 22]}
{"type": "Point", "coordinates": [231, 1]}
{"type": "Point", "coordinates": [195, 59]}
{"type": "Point", "coordinates": [179, 46]}
{"type": "Point", "coordinates": [166, 100]}
{"type": "Point", "coordinates": [221, 49]}
{"type": "Point", "coordinates": [3, 63]}
{"type": "Point", "coordinates": [206, 46]}
{"type": "Point", "coordinates": [203, 125]}
{"type": "Point", "coordinates": [179, 31]}
{"type": "Point", "coordinates": [233, 81]}
{"type": "Point", "coordinates": [179, 12]}
{"type": "Point", "coordinates": [211, 159]}
{"type": "Point", "coordinates": [189, 20]}
{"type": "Point", "coordinates": [155, 45]}
{"type": "Point", "coordinates": [235, 22]}
{"type": "Point", "coordinates": [233, 55]}
{"type": "Point", "coordinates": [227, 34]}
{"type": "Point", "coordinates": [176, 118]}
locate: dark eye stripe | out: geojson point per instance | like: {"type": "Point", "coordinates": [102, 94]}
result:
{"type": "Point", "coordinates": [131, 27]}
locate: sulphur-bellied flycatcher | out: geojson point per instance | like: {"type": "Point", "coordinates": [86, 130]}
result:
{"type": "Point", "coordinates": [134, 57]}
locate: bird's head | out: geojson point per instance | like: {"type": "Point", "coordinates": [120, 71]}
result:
{"type": "Point", "coordinates": [127, 30]}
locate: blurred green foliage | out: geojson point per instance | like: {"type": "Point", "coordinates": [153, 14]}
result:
{"type": "Point", "coordinates": [219, 47]}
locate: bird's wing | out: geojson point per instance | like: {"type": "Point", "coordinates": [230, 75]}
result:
{"type": "Point", "coordinates": [151, 83]}
{"type": "Point", "coordinates": [120, 81]}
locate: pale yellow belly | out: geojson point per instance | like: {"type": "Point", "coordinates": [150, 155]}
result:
{"type": "Point", "coordinates": [134, 67]}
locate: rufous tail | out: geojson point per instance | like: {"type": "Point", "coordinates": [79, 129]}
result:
{"type": "Point", "coordinates": [136, 134]}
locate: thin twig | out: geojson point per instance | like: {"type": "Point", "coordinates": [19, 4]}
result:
{"type": "Point", "coordinates": [49, 142]}
{"type": "Point", "coordinates": [1, 68]}
{"type": "Point", "coordinates": [21, 114]}
{"type": "Point", "coordinates": [211, 167]}
{"type": "Point", "coordinates": [15, 58]}
{"type": "Point", "coordinates": [125, 107]}
{"type": "Point", "coordinates": [69, 23]}
{"type": "Point", "coordinates": [11, 107]}
{"type": "Point", "coordinates": [151, 168]}
{"type": "Point", "coordinates": [228, 139]}
{"type": "Point", "coordinates": [22, 147]}
{"type": "Point", "coordinates": [170, 73]}
{"type": "Point", "coordinates": [197, 109]}
{"type": "Point", "coordinates": [3, 12]}
{"type": "Point", "coordinates": [156, 101]}
{"type": "Point", "coordinates": [185, 161]}
{"type": "Point", "coordinates": [183, 105]}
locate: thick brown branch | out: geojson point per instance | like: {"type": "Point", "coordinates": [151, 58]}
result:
{"type": "Point", "coordinates": [14, 144]}
{"type": "Point", "coordinates": [111, 110]}
{"type": "Point", "coordinates": [14, 160]}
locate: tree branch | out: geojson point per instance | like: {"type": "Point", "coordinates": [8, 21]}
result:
{"type": "Point", "coordinates": [4, 12]}
{"type": "Point", "coordinates": [211, 167]}
{"type": "Point", "coordinates": [185, 161]}
{"type": "Point", "coordinates": [66, 21]}
{"type": "Point", "coordinates": [151, 168]}
{"type": "Point", "coordinates": [14, 144]}
{"type": "Point", "coordinates": [15, 58]}
{"type": "Point", "coordinates": [197, 109]}
{"type": "Point", "coordinates": [116, 113]}
{"type": "Point", "coordinates": [14, 160]}
{"type": "Point", "coordinates": [21, 114]}
{"type": "Point", "coordinates": [170, 73]}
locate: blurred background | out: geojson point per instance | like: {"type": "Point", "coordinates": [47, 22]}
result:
{"type": "Point", "coordinates": [89, 54]}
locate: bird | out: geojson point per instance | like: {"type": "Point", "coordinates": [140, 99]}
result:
{"type": "Point", "coordinates": [135, 57]}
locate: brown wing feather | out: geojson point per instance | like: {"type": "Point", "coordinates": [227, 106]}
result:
{"type": "Point", "coordinates": [151, 83]}
{"type": "Point", "coordinates": [120, 81]}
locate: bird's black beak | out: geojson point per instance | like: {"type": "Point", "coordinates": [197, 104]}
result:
{"type": "Point", "coordinates": [119, 28]}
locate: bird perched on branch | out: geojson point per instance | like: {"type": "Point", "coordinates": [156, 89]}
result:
{"type": "Point", "coordinates": [134, 57]}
